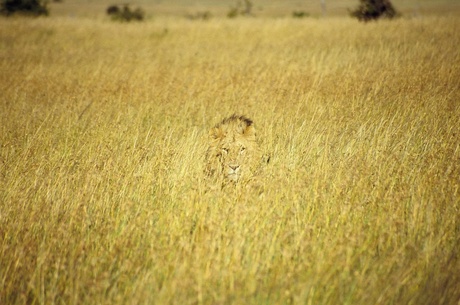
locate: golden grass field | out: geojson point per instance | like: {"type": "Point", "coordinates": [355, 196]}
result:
{"type": "Point", "coordinates": [103, 130]}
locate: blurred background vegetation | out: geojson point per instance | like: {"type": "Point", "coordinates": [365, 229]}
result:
{"type": "Point", "coordinates": [257, 8]}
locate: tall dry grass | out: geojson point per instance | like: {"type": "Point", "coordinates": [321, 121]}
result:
{"type": "Point", "coordinates": [103, 131]}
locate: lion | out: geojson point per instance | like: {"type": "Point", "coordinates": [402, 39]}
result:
{"type": "Point", "coordinates": [233, 152]}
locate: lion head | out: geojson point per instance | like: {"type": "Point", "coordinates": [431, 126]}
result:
{"type": "Point", "coordinates": [233, 150]}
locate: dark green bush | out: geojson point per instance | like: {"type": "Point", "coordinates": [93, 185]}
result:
{"type": "Point", "coordinates": [206, 15]}
{"type": "Point", "coordinates": [125, 13]}
{"type": "Point", "coordinates": [241, 9]}
{"type": "Point", "coordinates": [24, 7]}
{"type": "Point", "coordinates": [300, 14]}
{"type": "Point", "coordinates": [113, 10]}
{"type": "Point", "coordinates": [374, 9]}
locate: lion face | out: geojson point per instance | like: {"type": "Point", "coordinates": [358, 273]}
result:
{"type": "Point", "coordinates": [233, 149]}
{"type": "Point", "coordinates": [232, 158]}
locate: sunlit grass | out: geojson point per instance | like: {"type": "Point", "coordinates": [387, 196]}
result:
{"type": "Point", "coordinates": [103, 131]}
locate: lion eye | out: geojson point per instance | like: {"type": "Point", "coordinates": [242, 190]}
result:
{"type": "Point", "coordinates": [242, 150]}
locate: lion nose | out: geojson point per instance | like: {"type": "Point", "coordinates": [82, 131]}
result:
{"type": "Point", "coordinates": [233, 166]}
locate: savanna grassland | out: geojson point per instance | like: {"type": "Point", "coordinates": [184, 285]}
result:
{"type": "Point", "coordinates": [103, 130]}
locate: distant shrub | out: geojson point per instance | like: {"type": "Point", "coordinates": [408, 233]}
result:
{"type": "Point", "coordinates": [300, 14]}
{"type": "Point", "coordinates": [113, 10]}
{"type": "Point", "coordinates": [24, 7]}
{"type": "Point", "coordinates": [200, 16]}
{"type": "Point", "coordinates": [233, 12]}
{"type": "Point", "coordinates": [242, 8]}
{"type": "Point", "coordinates": [125, 13]}
{"type": "Point", "coordinates": [374, 9]}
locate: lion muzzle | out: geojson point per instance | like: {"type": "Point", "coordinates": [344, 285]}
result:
{"type": "Point", "coordinates": [233, 171]}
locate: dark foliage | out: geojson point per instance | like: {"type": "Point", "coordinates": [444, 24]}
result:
{"type": "Point", "coordinates": [125, 13]}
{"type": "Point", "coordinates": [300, 14]}
{"type": "Point", "coordinates": [206, 15]}
{"type": "Point", "coordinates": [241, 9]}
{"type": "Point", "coordinates": [24, 7]}
{"type": "Point", "coordinates": [374, 9]}
{"type": "Point", "coordinates": [113, 10]}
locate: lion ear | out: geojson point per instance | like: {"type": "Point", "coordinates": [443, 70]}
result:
{"type": "Point", "coordinates": [249, 131]}
{"type": "Point", "coordinates": [216, 133]}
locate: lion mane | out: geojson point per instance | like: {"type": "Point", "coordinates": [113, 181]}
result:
{"type": "Point", "coordinates": [233, 151]}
